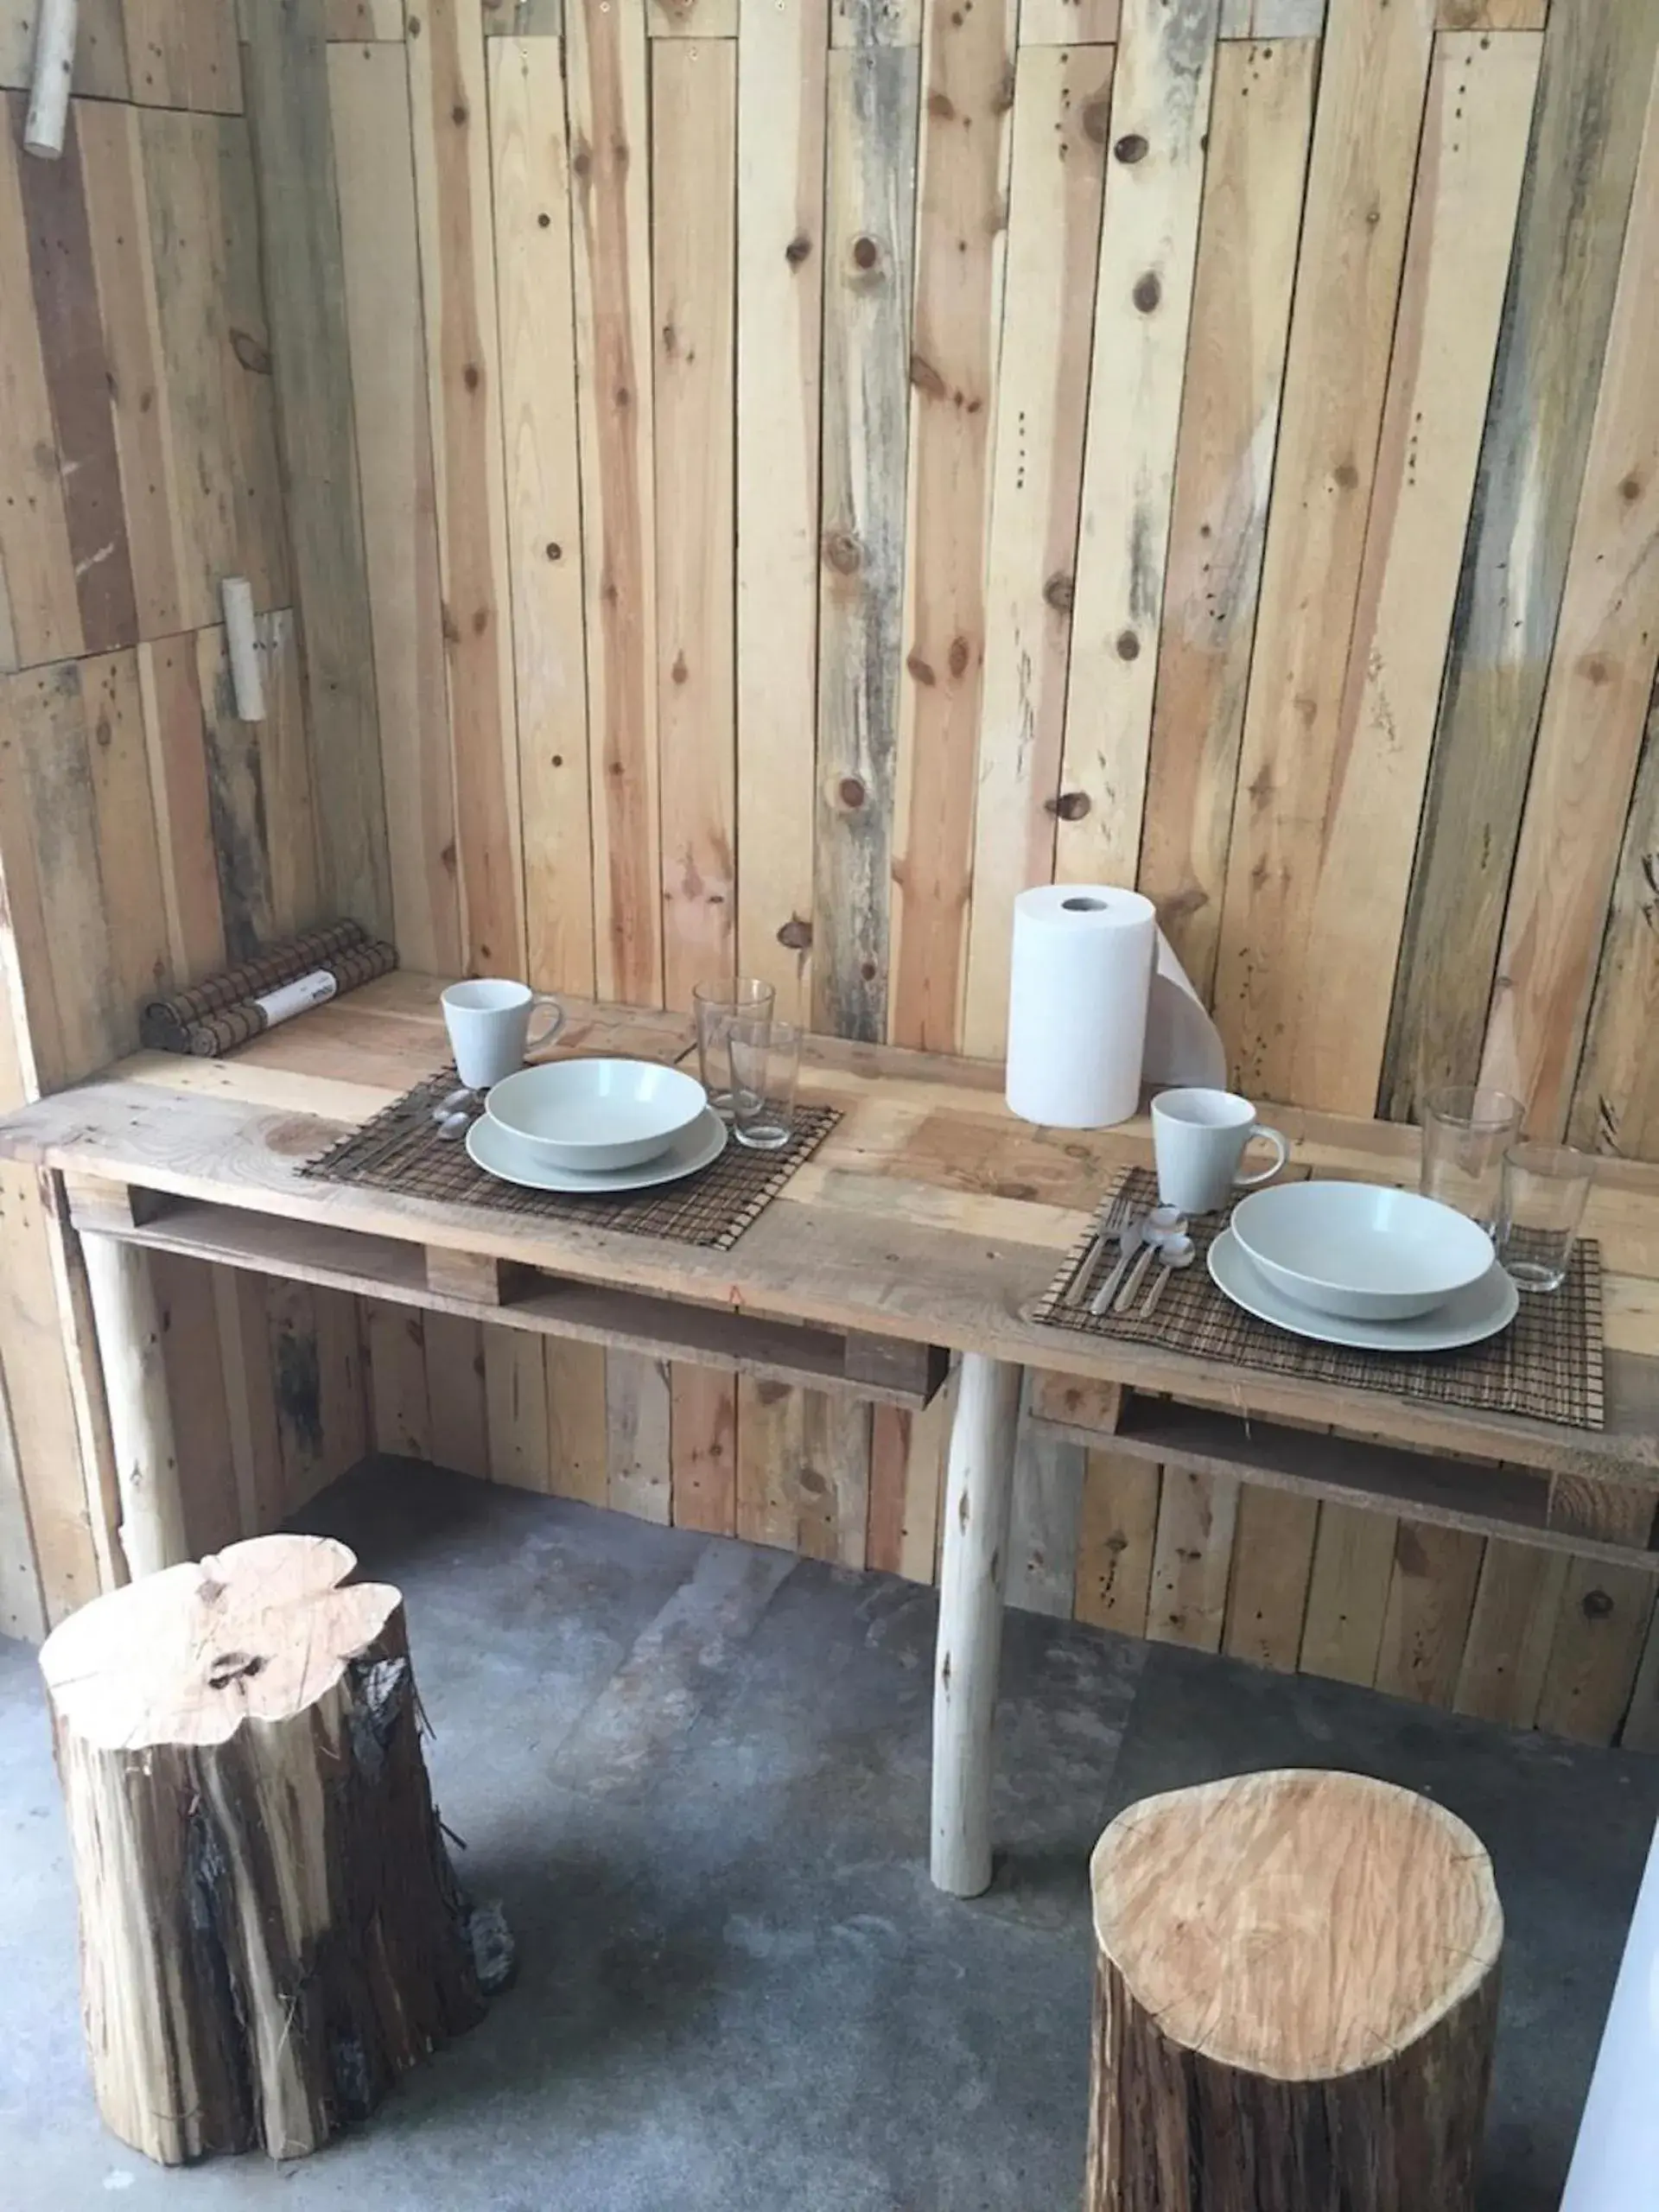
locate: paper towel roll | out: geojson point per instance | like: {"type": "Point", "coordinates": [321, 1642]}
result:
{"type": "Point", "coordinates": [1183, 1045]}
{"type": "Point", "coordinates": [1078, 984]}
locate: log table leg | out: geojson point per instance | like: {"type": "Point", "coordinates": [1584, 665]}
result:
{"type": "Point", "coordinates": [129, 1324]}
{"type": "Point", "coordinates": [979, 1490]}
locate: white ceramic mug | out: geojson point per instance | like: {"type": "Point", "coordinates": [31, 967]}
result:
{"type": "Point", "coordinates": [488, 1021]}
{"type": "Point", "coordinates": [1197, 1139]}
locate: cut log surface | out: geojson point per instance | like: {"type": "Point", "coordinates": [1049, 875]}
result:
{"type": "Point", "coordinates": [270, 1929]}
{"type": "Point", "coordinates": [1295, 1996]}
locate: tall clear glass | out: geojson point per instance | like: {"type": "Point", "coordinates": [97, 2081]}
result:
{"type": "Point", "coordinates": [766, 1067]}
{"type": "Point", "coordinates": [1545, 1188]}
{"type": "Point", "coordinates": [1466, 1132]}
{"type": "Point", "coordinates": [717, 1006]}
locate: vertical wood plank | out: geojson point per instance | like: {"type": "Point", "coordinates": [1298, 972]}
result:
{"type": "Point", "coordinates": [693, 155]}
{"type": "Point", "coordinates": [1599, 1634]}
{"type": "Point", "coordinates": [1372, 94]}
{"type": "Point", "coordinates": [531, 155]}
{"type": "Point", "coordinates": [606, 63]}
{"type": "Point", "coordinates": [833, 1479]}
{"type": "Point", "coordinates": [1595, 703]}
{"type": "Point", "coordinates": [637, 1425]}
{"type": "Point", "coordinates": [1115, 1537]}
{"type": "Point", "coordinates": [368, 94]}
{"type": "Point", "coordinates": [457, 1408]}
{"type": "Point", "coordinates": [182, 54]}
{"type": "Point", "coordinates": [1261, 117]}
{"type": "Point", "coordinates": [343, 1383]}
{"type": "Point", "coordinates": [1148, 248]}
{"type": "Point", "coordinates": [781, 95]}
{"type": "Point", "coordinates": [515, 1390]}
{"type": "Point", "coordinates": [44, 611]}
{"type": "Point", "coordinates": [1068, 23]}
{"type": "Point", "coordinates": [1043, 1535]}
{"type": "Point", "coordinates": [868, 246]}
{"type": "Point", "coordinates": [768, 1445]}
{"type": "Point", "coordinates": [291, 1323]}
{"type": "Point", "coordinates": [907, 1460]}
{"type": "Point", "coordinates": [250, 1399]}
{"type": "Point", "coordinates": [703, 1448]}
{"type": "Point", "coordinates": [195, 1387]}
{"type": "Point", "coordinates": [1597, 64]}
{"type": "Point", "coordinates": [956, 334]}
{"type": "Point", "coordinates": [399, 1411]}
{"type": "Point", "coordinates": [698, 19]}
{"type": "Point", "coordinates": [216, 382]}
{"type": "Point", "coordinates": [101, 65]}
{"type": "Point", "coordinates": [119, 218]}
{"type": "Point", "coordinates": [1431, 1597]}
{"type": "Point", "coordinates": [1615, 1102]}
{"type": "Point", "coordinates": [1492, 14]}
{"type": "Point", "coordinates": [22, 1608]}
{"type": "Point", "coordinates": [1348, 1594]}
{"type": "Point", "coordinates": [77, 379]}
{"type": "Point", "coordinates": [1517, 1602]}
{"type": "Point", "coordinates": [260, 802]}
{"type": "Point", "coordinates": [360, 20]}
{"type": "Point", "coordinates": [578, 1439]}
{"type": "Point", "coordinates": [876, 23]}
{"type": "Point", "coordinates": [1061, 109]}
{"type": "Point", "coordinates": [1192, 1556]}
{"type": "Point", "coordinates": [1273, 1560]}
{"type": "Point", "coordinates": [452, 175]}
{"type": "Point", "coordinates": [1343, 889]}
{"type": "Point", "coordinates": [1641, 1729]}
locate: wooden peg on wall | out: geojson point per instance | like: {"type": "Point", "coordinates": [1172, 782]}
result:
{"type": "Point", "coordinates": [48, 98]}
{"type": "Point", "coordinates": [242, 640]}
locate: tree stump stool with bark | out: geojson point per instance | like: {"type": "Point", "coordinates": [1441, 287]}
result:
{"type": "Point", "coordinates": [270, 1931]}
{"type": "Point", "coordinates": [1295, 1995]}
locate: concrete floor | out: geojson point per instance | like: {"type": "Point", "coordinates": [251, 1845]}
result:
{"type": "Point", "coordinates": [697, 1774]}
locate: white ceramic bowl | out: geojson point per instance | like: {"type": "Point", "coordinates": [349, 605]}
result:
{"type": "Point", "coordinates": [1359, 1250]}
{"type": "Point", "coordinates": [594, 1115]}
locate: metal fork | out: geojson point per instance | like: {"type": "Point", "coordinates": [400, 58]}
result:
{"type": "Point", "coordinates": [1113, 1215]}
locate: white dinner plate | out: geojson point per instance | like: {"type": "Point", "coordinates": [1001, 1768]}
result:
{"type": "Point", "coordinates": [498, 1153]}
{"type": "Point", "coordinates": [1468, 1317]}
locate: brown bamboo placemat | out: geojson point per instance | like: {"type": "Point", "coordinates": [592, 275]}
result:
{"type": "Point", "coordinates": [1546, 1365]}
{"type": "Point", "coordinates": [213, 1017]}
{"type": "Point", "coordinates": [401, 1150]}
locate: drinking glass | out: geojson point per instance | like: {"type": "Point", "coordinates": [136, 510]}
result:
{"type": "Point", "coordinates": [718, 1005]}
{"type": "Point", "coordinates": [1544, 1190]}
{"type": "Point", "coordinates": [766, 1066]}
{"type": "Point", "coordinates": [1466, 1132]}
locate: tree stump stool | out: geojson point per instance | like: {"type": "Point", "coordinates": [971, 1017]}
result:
{"type": "Point", "coordinates": [1295, 1994]}
{"type": "Point", "coordinates": [270, 1930]}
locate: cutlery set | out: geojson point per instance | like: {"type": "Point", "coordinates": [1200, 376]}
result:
{"type": "Point", "coordinates": [1142, 1237]}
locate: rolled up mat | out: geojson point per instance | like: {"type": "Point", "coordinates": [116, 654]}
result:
{"type": "Point", "coordinates": [231, 1026]}
{"type": "Point", "coordinates": [165, 1021]}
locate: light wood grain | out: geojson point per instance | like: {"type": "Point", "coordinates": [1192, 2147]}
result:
{"type": "Point", "coordinates": [1616, 1099]}
{"type": "Point", "coordinates": [1061, 108]}
{"type": "Point", "coordinates": [578, 1445]}
{"type": "Point", "coordinates": [1261, 116]}
{"type": "Point", "coordinates": [457, 1406]}
{"type": "Point", "coordinates": [1431, 1597]}
{"type": "Point", "coordinates": [458, 294]}
{"type": "Point", "coordinates": [1372, 82]}
{"type": "Point", "coordinates": [1043, 1532]}
{"type": "Point", "coordinates": [357, 21]}
{"type": "Point", "coordinates": [368, 93]}
{"type": "Point", "coordinates": [1599, 1634]}
{"type": "Point", "coordinates": [694, 135]}
{"type": "Point", "coordinates": [183, 53]}
{"type": "Point", "coordinates": [868, 245]}
{"type": "Point", "coordinates": [100, 68]}
{"type": "Point", "coordinates": [1115, 1537]}
{"type": "Point", "coordinates": [1068, 23]}
{"type": "Point", "coordinates": [637, 1420]}
{"type": "Point", "coordinates": [1586, 130]}
{"type": "Point", "coordinates": [531, 165]}
{"type": "Point", "coordinates": [400, 1413]}
{"type": "Point", "coordinates": [703, 1449]}
{"type": "Point", "coordinates": [1149, 247]}
{"type": "Point", "coordinates": [1348, 1594]}
{"type": "Point", "coordinates": [962, 182]}
{"type": "Point", "coordinates": [606, 76]}
{"type": "Point", "coordinates": [515, 1388]}
{"type": "Point", "coordinates": [782, 91]}
{"type": "Point", "coordinates": [1273, 1560]}
{"type": "Point", "coordinates": [1595, 703]}
{"type": "Point", "coordinates": [692, 19]}
{"type": "Point", "coordinates": [1516, 1600]}
{"type": "Point", "coordinates": [876, 23]}
{"type": "Point", "coordinates": [1196, 1516]}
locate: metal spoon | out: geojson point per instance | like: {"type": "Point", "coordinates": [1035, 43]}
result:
{"type": "Point", "coordinates": [1148, 1232]}
{"type": "Point", "coordinates": [1174, 1252]}
{"type": "Point", "coordinates": [1130, 1238]}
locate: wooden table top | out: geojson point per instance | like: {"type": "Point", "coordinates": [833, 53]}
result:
{"type": "Point", "coordinates": [931, 1213]}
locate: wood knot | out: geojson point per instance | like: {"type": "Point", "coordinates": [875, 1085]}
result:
{"type": "Point", "coordinates": [942, 105]}
{"type": "Point", "coordinates": [1130, 148]}
{"type": "Point", "coordinates": [926, 379]}
{"type": "Point", "coordinates": [797, 250]}
{"type": "Point", "coordinates": [957, 656]}
{"type": "Point", "coordinates": [679, 671]}
{"type": "Point", "coordinates": [840, 552]}
{"type": "Point", "coordinates": [232, 1667]}
{"type": "Point", "coordinates": [1127, 646]}
{"type": "Point", "coordinates": [469, 375]}
{"type": "Point", "coordinates": [796, 935]}
{"type": "Point", "coordinates": [458, 113]}
{"type": "Point", "coordinates": [544, 221]}
{"type": "Point", "coordinates": [1346, 475]}
{"type": "Point", "coordinates": [1148, 292]}
{"type": "Point", "coordinates": [1060, 592]}
{"type": "Point", "coordinates": [851, 792]}
{"type": "Point", "coordinates": [865, 253]}
{"type": "Point", "coordinates": [1597, 1604]}
{"type": "Point", "coordinates": [1068, 806]}
{"type": "Point", "coordinates": [250, 352]}
{"type": "Point", "coordinates": [1629, 488]}
{"type": "Point", "coordinates": [555, 551]}
{"type": "Point", "coordinates": [920, 669]}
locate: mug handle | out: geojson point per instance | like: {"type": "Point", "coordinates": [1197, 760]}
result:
{"type": "Point", "coordinates": [545, 1036]}
{"type": "Point", "coordinates": [1280, 1148]}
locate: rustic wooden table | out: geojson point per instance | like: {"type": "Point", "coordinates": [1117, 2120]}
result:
{"type": "Point", "coordinates": [926, 1225]}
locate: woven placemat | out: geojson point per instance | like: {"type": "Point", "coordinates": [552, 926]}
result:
{"type": "Point", "coordinates": [401, 1150]}
{"type": "Point", "coordinates": [1546, 1364]}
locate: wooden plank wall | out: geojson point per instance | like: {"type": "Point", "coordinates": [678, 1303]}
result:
{"type": "Point", "coordinates": [146, 835]}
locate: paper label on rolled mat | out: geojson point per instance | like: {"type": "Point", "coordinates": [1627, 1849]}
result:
{"type": "Point", "coordinates": [315, 989]}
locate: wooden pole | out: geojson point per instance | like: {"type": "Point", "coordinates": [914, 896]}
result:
{"type": "Point", "coordinates": [271, 1929]}
{"type": "Point", "coordinates": [54, 62]}
{"type": "Point", "coordinates": [979, 1491]}
{"type": "Point", "coordinates": [129, 1325]}
{"type": "Point", "coordinates": [1295, 1997]}
{"type": "Point", "coordinates": [242, 643]}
